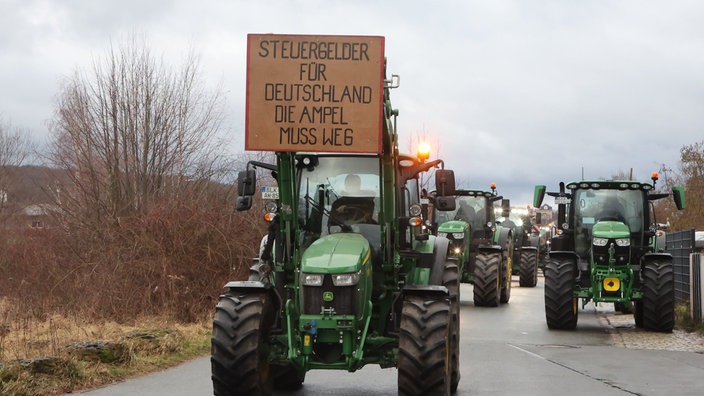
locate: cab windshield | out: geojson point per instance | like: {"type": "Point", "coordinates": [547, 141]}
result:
{"type": "Point", "coordinates": [469, 209]}
{"type": "Point", "coordinates": [592, 206]}
{"type": "Point", "coordinates": [339, 193]}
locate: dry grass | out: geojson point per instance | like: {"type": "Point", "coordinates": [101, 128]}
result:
{"type": "Point", "coordinates": [144, 286]}
{"type": "Point", "coordinates": [35, 358]}
{"type": "Point", "coordinates": [684, 321]}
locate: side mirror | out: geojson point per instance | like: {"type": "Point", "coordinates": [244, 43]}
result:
{"type": "Point", "coordinates": [244, 203]}
{"type": "Point", "coordinates": [445, 182]}
{"type": "Point", "coordinates": [678, 196]}
{"type": "Point", "coordinates": [246, 183]}
{"type": "Point", "coordinates": [445, 204]}
{"type": "Point", "coordinates": [538, 196]}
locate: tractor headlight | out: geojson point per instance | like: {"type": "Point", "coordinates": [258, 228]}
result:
{"type": "Point", "coordinates": [623, 242]}
{"type": "Point", "coordinates": [270, 206]}
{"type": "Point", "coordinates": [600, 241]}
{"type": "Point", "coordinates": [442, 234]}
{"type": "Point", "coordinates": [415, 210]}
{"type": "Point", "coordinates": [345, 279]}
{"type": "Point", "coordinates": [457, 250]}
{"type": "Point", "coordinates": [458, 235]}
{"type": "Point", "coordinates": [312, 279]}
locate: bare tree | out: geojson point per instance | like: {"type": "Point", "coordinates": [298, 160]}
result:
{"type": "Point", "coordinates": [692, 172]}
{"type": "Point", "coordinates": [14, 150]}
{"type": "Point", "coordinates": [132, 131]}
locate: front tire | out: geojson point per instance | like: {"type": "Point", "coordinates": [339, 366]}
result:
{"type": "Point", "coordinates": [561, 305]}
{"type": "Point", "coordinates": [638, 313]}
{"type": "Point", "coordinates": [423, 350]}
{"type": "Point", "coordinates": [528, 275]}
{"type": "Point", "coordinates": [487, 285]}
{"type": "Point", "coordinates": [287, 377]}
{"type": "Point", "coordinates": [451, 280]}
{"type": "Point", "coordinates": [240, 326]}
{"type": "Point", "coordinates": [658, 304]}
{"type": "Point", "coordinates": [506, 269]}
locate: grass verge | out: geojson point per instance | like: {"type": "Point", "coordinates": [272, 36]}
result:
{"type": "Point", "coordinates": [60, 355]}
{"type": "Point", "coordinates": [684, 321]}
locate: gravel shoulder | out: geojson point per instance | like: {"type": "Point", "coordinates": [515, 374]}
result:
{"type": "Point", "coordinates": [624, 334]}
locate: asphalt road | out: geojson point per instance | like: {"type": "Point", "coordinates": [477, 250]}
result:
{"type": "Point", "coordinates": [504, 351]}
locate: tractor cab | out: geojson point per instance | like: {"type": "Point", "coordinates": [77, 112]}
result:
{"type": "Point", "coordinates": [597, 210]}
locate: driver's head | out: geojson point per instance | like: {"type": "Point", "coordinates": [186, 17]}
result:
{"type": "Point", "coordinates": [611, 201]}
{"type": "Point", "coordinates": [353, 183]}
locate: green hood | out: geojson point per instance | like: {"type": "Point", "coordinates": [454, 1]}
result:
{"type": "Point", "coordinates": [336, 254]}
{"type": "Point", "coordinates": [610, 229]}
{"type": "Point", "coordinates": [452, 226]}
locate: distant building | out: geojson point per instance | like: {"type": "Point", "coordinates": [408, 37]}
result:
{"type": "Point", "coordinates": [36, 216]}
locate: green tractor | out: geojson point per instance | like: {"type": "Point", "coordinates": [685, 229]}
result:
{"type": "Point", "coordinates": [482, 247]}
{"type": "Point", "coordinates": [526, 244]}
{"type": "Point", "coordinates": [606, 250]}
{"type": "Point", "coordinates": [347, 276]}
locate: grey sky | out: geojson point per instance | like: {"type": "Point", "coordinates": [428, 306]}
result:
{"type": "Point", "coordinates": [514, 92]}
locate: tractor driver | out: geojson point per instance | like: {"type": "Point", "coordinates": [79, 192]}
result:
{"type": "Point", "coordinates": [355, 205]}
{"type": "Point", "coordinates": [611, 209]}
{"type": "Point", "coordinates": [466, 212]}
{"type": "Point", "coordinates": [353, 185]}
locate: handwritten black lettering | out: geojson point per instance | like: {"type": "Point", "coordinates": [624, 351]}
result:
{"type": "Point", "coordinates": [334, 115]}
{"type": "Point", "coordinates": [283, 113]}
{"type": "Point", "coordinates": [338, 136]}
{"type": "Point", "coordinates": [297, 136]}
{"type": "Point", "coordinates": [314, 50]}
{"type": "Point", "coordinates": [298, 92]}
{"type": "Point", "coordinates": [312, 71]}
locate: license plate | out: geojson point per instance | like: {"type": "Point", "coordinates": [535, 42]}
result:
{"type": "Point", "coordinates": [270, 192]}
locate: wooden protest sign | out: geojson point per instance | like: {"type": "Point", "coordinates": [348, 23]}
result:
{"type": "Point", "coordinates": [314, 93]}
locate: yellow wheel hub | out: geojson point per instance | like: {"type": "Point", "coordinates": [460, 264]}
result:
{"type": "Point", "coordinates": [612, 284]}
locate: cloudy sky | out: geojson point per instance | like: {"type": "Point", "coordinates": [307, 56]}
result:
{"type": "Point", "coordinates": [513, 92]}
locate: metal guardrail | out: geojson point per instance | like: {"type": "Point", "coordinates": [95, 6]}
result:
{"type": "Point", "coordinates": [680, 244]}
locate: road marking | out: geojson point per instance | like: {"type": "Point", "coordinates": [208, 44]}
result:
{"type": "Point", "coordinates": [527, 351]}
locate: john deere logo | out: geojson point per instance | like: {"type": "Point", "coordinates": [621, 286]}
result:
{"type": "Point", "coordinates": [328, 296]}
{"type": "Point", "coordinates": [612, 284]}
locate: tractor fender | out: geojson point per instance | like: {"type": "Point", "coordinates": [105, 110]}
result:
{"type": "Point", "coordinates": [535, 248]}
{"type": "Point", "coordinates": [440, 249]}
{"type": "Point", "coordinates": [257, 286]}
{"type": "Point", "coordinates": [504, 236]}
{"type": "Point", "coordinates": [652, 256]}
{"type": "Point", "coordinates": [564, 253]}
{"type": "Point", "coordinates": [425, 290]}
{"type": "Point", "coordinates": [490, 248]}
{"type": "Point", "coordinates": [534, 241]}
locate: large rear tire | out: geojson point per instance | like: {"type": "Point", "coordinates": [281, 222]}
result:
{"type": "Point", "coordinates": [423, 347]}
{"type": "Point", "coordinates": [658, 296]}
{"type": "Point", "coordinates": [487, 285]}
{"type": "Point", "coordinates": [240, 326]}
{"type": "Point", "coordinates": [528, 275]}
{"type": "Point", "coordinates": [450, 279]}
{"type": "Point", "coordinates": [561, 305]}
